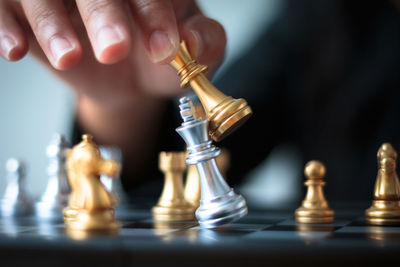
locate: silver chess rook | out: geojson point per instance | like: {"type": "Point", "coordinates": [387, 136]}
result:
{"type": "Point", "coordinates": [219, 204]}
{"type": "Point", "coordinates": [55, 197]}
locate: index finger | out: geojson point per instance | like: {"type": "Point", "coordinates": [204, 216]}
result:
{"type": "Point", "coordinates": [157, 21]}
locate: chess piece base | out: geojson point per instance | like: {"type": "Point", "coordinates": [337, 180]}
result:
{"type": "Point", "coordinates": [15, 209]}
{"type": "Point", "coordinates": [95, 220]}
{"type": "Point", "coordinates": [314, 216]}
{"type": "Point", "coordinates": [78, 234]}
{"type": "Point", "coordinates": [383, 212]}
{"type": "Point", "coordinates": [49, 210]}
{"type": "Point", "coordinates": [227, 116]}
{"type": "Point", "coordinates": [221, 210]}
{"type": "Point", "coordinates": [70, 214]}
{"type": "Point", "coordinates": [177, 212]}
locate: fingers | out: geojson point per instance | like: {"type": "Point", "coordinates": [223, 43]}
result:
{"type": "Point", "coordinates": [157, 21]}
{"type": "Point", "coordinates": [54, 32]}
{"type": "Point", "coordinates": [206, 39]}
{"type": "Point", "coordinates": [13, 43]}
{"type": "Point", "coordinates": [108, 28]}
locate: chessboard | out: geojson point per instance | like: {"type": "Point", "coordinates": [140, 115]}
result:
{"type": "Point", "coordinates": [263, 237]}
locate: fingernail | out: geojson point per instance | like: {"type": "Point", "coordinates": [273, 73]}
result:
{"type": "Point", "coordinates": [108, 36]}
{"type": "Point", "coordinates": [197, 50]}
{"type": "Point", "coordinates": [59, 47]}
{"type": "Point", "coordinates": [161, 46]}
{"type": "Point", "coordinates": [7, 45]}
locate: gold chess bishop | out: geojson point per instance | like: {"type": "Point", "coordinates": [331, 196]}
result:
{"type": "Point", "coordinates": [172, 205]}
{"type": "Point", "coordinates": [224, 113]}
{"type": "Point", "coordinates": [90, 204]}
{"type": "Point", "coordinates": [314, 208]}
{"type": "Point", "coordinates": [385, 209]}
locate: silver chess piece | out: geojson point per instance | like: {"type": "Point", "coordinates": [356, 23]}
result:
{"type": "Point", "coordinates": [16, 200]}
{"type": "Point", "coordinates": [55, 197]}
{"type": "Point", "coordinates": [219, 204]}
{"type": "Point", "coordinates": [113, 185]}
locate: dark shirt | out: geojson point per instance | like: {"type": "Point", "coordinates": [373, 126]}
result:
{"type": "Point", "coordinates": [325, 78]}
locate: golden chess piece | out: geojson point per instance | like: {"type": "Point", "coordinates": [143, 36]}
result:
{"type": "Point", "coordinates": [385, 209]}
{"type": "Point", "coordinates": [314, 208]}
{"type": "Point", "coordinates": [224, 113]}
{"type": "Point", "coordinates": [192, 185]}
{"type": "Point", "coordinates": [386, 151]}
{"type": "Point", "coordinates": [199, 111]}
{"type": "Point", "coordinates": [90, 204]}
{"type": "Point", "coordinates": [192, 190]}
{"type": "Point", "coordinates": [172, 205]}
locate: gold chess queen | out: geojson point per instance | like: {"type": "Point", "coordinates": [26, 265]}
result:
{"type": "Point", "coordinates": [224, 113]}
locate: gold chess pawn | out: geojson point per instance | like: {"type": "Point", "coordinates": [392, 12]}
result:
{"type": "Point", "coordinates": [192, 186]}
{"type": "Point", "coordinates": [90, 204]}
{"type": "Point", "coordinates": [172, 205]}
{"type": "Point", "coordinates": [224, 113]}
{"type": "Point", "coordinates": [385, 209]}
{"type": "Point", "coordinates": [314, 208]}
{"type": "Point", "coordinates": [386, 151]}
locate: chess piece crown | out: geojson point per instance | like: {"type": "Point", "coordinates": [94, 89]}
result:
{"type": "Point", "coordinates": [314, 208]}
{"type": "Point", "coordinates": [219, 204]}
{"type": "Point", "coordinates": [224, 113]}
{"type": "Point", "coordinates": [385, 208]}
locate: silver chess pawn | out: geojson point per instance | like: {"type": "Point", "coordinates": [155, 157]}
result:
{"type": "Point", "coordinates": [55, 197]}
{"type": "Point", "coordinates": [219, 204]}
{"type": "Point", "coordinates": [113, 185]}
{"type": "Point", "coordinates": [16, 200]}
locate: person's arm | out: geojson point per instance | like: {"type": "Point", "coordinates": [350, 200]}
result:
{"type": "Point", "coordinates": [114, 56]}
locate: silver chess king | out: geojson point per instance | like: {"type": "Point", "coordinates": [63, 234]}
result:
{"type": "Point", "coordinates": [219, 204]}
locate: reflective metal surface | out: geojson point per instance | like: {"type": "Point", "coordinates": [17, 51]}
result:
{"type": "Point", "coordinates": [219, 203]}
{"type": "Point", "coordinates": [55, 197]}
{"type": "Point", "coordinates": [172, 205]}
{"type": "Point", "coordinates": [314, 208]}
{"type": "Point", "coordinates": [224, 113]}
{"type": "Point", "coordinates": [385, 208]}
{"type": "Point", "coordinates": [90, 204]}
{"type": "Point", "coordinates": [16, 200]}
{"type": "Point", "coordinates": [192, 185]}
{"type": "Point", "coordinates": [114, 184]}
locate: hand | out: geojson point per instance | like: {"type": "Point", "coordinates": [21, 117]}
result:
{"type": "Point", "coordinates": [113, 54]}
{"type": "Point", "coordinates": [110, 51]}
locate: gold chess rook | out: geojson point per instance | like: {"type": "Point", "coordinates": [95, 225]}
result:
{"type": "Point", "coordinates": [172, 205]}
{"type": "Point", "coordinates": [224, 113]}
{"type": "Point", "coordinates": [385, 209]}
{"type": "Point", "coordinates": [90, 204]}
{"type": "Point", "coordinates": [314, 208]}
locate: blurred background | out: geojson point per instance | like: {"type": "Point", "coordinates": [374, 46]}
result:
{"type": "Point", "coordinates": [34, 105]}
